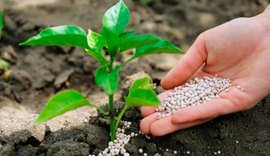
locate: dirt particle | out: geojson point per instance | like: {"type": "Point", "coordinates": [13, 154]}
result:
{"type": "Point", "coordinates": [151, 148]}
{"type": "Point", "coordinates": [27, 150]}
{"type": "Point", "coordinates": [94, 139]}
{"type": "Point", "coordinates": [7, 150]}
{"type": "Point", "coordinates": [62, 77]}
{"type": "Point", "coordinates": [69, 147]}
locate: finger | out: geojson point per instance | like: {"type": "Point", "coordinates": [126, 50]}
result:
{"type": "Point", "coordinates": [232, 101]}
{"type": "Point", "coordinates": [187, 66]}
{"type": "Point", "coordinates": [147, 110]}
{"type": "Point", "coordinates": [267, 7]}
{"type": "Point", "coordinates": [165, 126]}
{"type": "Point", "coordinates": [146, 123]}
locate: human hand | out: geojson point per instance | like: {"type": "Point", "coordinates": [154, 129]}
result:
{"type": "Point", "coordinates": [238, 50]}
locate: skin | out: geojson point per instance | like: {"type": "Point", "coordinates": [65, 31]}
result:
{"type": "Point", "coordinates": [238, 50]}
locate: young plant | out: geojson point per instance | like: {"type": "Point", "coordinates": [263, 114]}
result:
{"type": "Point", "coordinates": [146, 2]}
{"type": "Point", "coordinates": [4, 66]}
{"type": "Point", "coordinates": [1, 23]}
{"type": "Point", "coordinates": [113, 41]}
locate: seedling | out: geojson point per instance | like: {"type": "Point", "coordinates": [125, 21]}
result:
{"type": "Point", "coordinates": [113, 41]}
{"type": "Point", "coordinates": [1, 23]}
{"type": "Point", "coordinates": [146, 2]}
{"type": "Point", "coordinates": [4, 66]}
{"type": "Point", "coordinates": [4, 69]}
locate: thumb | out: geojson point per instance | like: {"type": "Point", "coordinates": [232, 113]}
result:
{"type": "Point", "coordinates": [187, 66]}
{"type": "Point", "coordinates": [267, 8]}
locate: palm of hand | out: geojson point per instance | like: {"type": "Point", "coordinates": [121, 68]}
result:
{"type": "Point", "coordinates": [238, 50]}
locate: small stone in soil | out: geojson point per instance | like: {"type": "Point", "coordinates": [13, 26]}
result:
{"type": "Point", "coordinates": [147, 137]}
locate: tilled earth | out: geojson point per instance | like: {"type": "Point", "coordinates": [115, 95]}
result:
{"type": "Point", "coordinates": [39, 72]}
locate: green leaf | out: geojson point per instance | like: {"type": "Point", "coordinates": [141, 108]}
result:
{"type": "Point", "coordinates": [159, 46]}
{"type": "Point", "coordinates": [108, 80]}
{"type": "Point", "coordinates": [116, 19]}
{"type": "Point", "coordinates": [96, 43]}
{"type": "Point", "coordinates": [142, 97]}
{"type": "Point", "coordinates": [66, 35]}
{"type": "Point", "coordinates": [1, 23]}
{"type": "Point", "coordinates": [141, 93]}
{"type": "Point", "coordinates": [142, 83]}
{"type": "Point", "coordinates": [129, 41]}
{"type": "Point", "coordinates": [146, 2]}
{"type": "Point", "coordinates": [62, 103]}
{"type": "Point", "coordinates": [127, 34]}
{"type": "Point", "coordinates": [112, 42]}
{"type": "Point", "coordinates": [146, 44]}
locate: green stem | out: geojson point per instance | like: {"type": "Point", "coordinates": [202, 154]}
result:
{"type": "Point", "coordinates": [112, 120]}
{"type": "Point", "coordinates": [111, 109]}
{"type": "Point", "coordinates": [126, 62]}
{"type": "Point", "coordinates": [111, 63]}
{"type": "Point", "coordinates": [120, 116]}
{"type": "Point", "coordinates": [102, 111]}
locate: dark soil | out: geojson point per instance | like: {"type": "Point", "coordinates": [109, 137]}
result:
{"type": "Point", "coordinates": [38, 72]}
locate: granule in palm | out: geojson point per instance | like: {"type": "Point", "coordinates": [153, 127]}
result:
{"type": "Point", "coordinates": [194, 92]}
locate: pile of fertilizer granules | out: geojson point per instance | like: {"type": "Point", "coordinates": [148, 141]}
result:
{"type": "Point", "coordinates": [194, 92]}
{"type": "Point", "coordinates": [116, 147]}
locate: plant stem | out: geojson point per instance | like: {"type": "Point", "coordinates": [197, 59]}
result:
{"type": "Point", "coordinates": [120, 116]}
{"type": "Point", "coordinates": [111, 63]}
{"type": "Point", "coordinates": [102, 111]}
{"type": "Point", "coordinates": [126, 62]}
{"type": "Point", "coordinates": [112, 120]}
{"type": "Point", "coordinates": [111, 109]}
